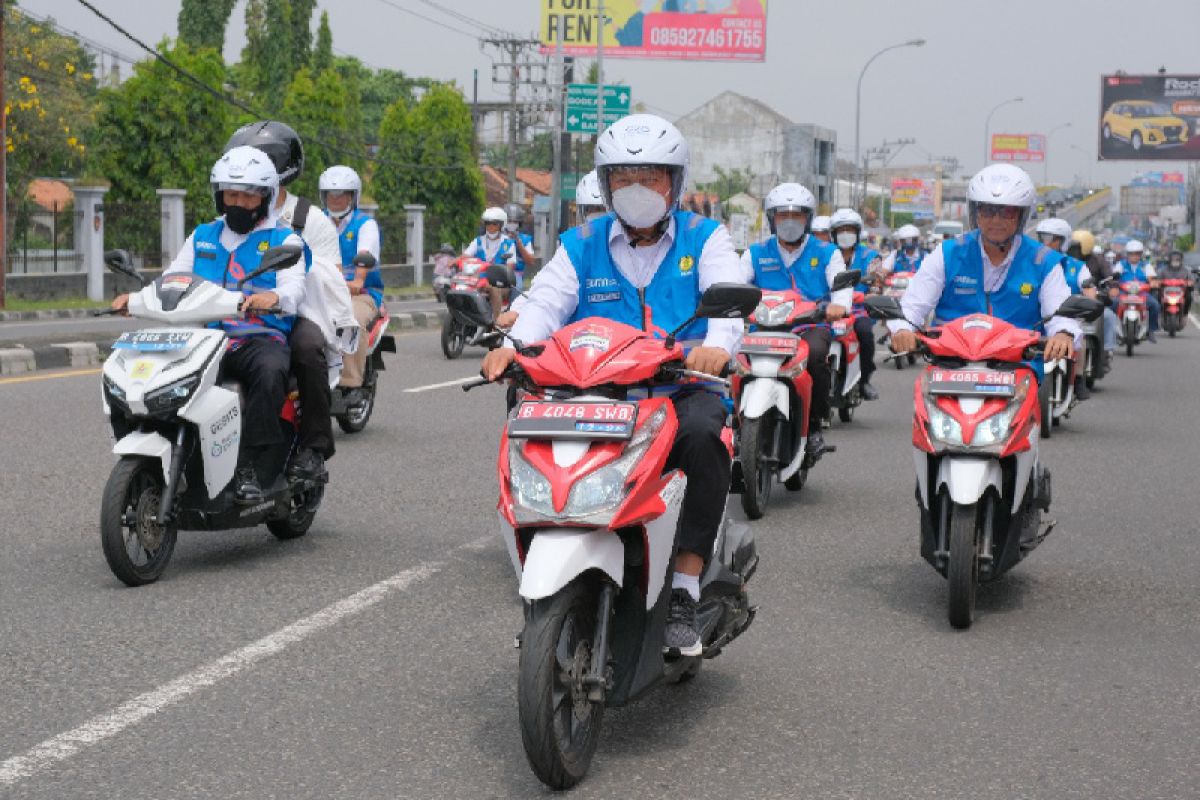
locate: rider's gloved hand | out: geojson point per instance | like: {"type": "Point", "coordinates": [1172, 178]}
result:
{"type": "Point", "coordinates": [495, 362]}
{"type": "Point", "coordinates": [709, 360]}
{"type": "Point", "coordinates": [1060, 345]}
{"type": "Point", "coordinates": [904, 341]}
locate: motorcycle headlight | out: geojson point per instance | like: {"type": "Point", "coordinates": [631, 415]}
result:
{"type": "Point", "coordinates": [113, 390]}
{"type": "Point", "coordinates": [531, 489]}
{"type": "Point", "coordinates": [171, 397]}
{"type": "Point", "coordinates": [993, 430]}
{"type": "Point", "coordinates": [943, 427]}
{"type": "Point", "coordinates": [604, 490]}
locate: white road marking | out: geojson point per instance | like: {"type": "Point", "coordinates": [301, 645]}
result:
{"type": "Point", "coordinates": [1195, 320]}
{"type": "Point", "coordinates": [442, 385]}
{"type": "Point", "coordinates": [61, 747]}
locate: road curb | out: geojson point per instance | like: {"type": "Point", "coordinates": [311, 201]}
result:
{"type": "Point", "coordinates": [16, 361]}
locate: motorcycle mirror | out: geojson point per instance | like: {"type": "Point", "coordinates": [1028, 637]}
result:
{"type": "Point", "coordinates": [728, 301]}
{"type": "Point", "coordinates": [500, 277]}
{"type": "Point", "coordinates": [121, 262]}
{"type": "Point", "coordinates": [1081, 308]}
{"type": "Point", "coordinates": [275, 259]}
{"type": "Point", "coordinates": [364, 260]}
{"type": "Point", "coordinates": [844, 280]}
{"type": "Point", "coordinates": [883, 307]}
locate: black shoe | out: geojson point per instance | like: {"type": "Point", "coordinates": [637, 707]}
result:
{"type": "Point", "coordinates": [247, 491]}
{"type": "Point", "coordinates": [868, 391]}
{"type": "Point", "coordinates": [681, 635]}
{"type": "Point", "coordinates": [1082, 392]}
{"type": "Point", "coordinates": [306, 465]}
{"type": "Point", "coordinates": [816, 443]}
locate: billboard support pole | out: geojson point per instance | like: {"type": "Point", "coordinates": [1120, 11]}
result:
{"type": "Point", "coordinates": [556, 180]}
{"type": "Point", "coordinates": [600, 22]}
{"type": "Point", "coordinates": [987, 128]}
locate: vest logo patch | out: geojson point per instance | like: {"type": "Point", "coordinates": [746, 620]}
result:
{"type": "Point", "coordinates": [814, 261]}
{"type": "Point", "coordinates": [263, 246]}
{"type": "Point", "coordinates": [205, 246]}
{"type": "Point", "coordinates": [965, 280]}
{"type": "Point", "coordinates": [1026, 289]}
{"type": "Point", "coordinates": [686, 264]}
{"type": "Point", "coordinates": [603, 297]}
{"type": "Point", "coordinates": [349, 236]}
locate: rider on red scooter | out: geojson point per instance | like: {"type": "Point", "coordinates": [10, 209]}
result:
{"type": "Point", "coordinates": [993, 269]}
{"type": "Point", "coordinates": [647, 265]}
{"type": "Point", "coordinates": [792, 258]}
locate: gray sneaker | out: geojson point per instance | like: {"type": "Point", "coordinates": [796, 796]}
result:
{"type": "Point", "coordinates": [681, 635]}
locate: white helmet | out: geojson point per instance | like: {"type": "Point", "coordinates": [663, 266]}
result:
{"type": "Point", "coordinates": [907, 232]}
{"type": "Point", "coordinates": [845, 217]}
{"type": "Point", "coordinates": [1097, 250]}
{"type": "Point", "coordinates": [339, 178]}
{"type": "Point", "coordinates": [1001, 185]}
{"type": "Point", "coordinates": [244, 169]}
{"type": "Point", "coordinates": [1055, 226]}
{"type": "Point", "coordinates": [642, 140]}
{"type": "Point", "coordinates": [495, 214]}
{"type": "Point", "coordinates": [820, 224]}
{"type": "Point", "coordinates": [587, 193]}
{"type": "Point", "coordinates": [790, 197]}
{"type": "Point", "coordinates": [1134, 246]}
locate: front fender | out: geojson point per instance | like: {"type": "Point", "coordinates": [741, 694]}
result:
{"type": "Point", "coordinates": [556, 558]}
{"type": "Point", "coordinates": [968, 478]}
{"type": "Point", "coordinates": [148, 445]}
{"type": "Point", "coordinates": [758, 396]}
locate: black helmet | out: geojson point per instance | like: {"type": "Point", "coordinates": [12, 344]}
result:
{"type": "Point", "coordinates": [278, 141]}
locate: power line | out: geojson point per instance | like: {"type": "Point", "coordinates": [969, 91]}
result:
{"type": "Point", "coordinates": [419, 15]}
{"type": "Point", "coordinates": [490, 29]}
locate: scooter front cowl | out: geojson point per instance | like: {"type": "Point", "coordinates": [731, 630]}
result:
{"type": "Point", "coordinates": [556, 557]}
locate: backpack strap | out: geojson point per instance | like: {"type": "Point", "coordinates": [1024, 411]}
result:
{"type": "Point", "coordinates": [300, 215]}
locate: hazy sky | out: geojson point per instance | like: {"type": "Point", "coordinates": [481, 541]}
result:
{"type": "Point", "coordinates": [1050, 52]}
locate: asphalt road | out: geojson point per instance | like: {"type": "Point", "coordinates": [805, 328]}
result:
{"type": "Point", "coordinates": [260, 669]}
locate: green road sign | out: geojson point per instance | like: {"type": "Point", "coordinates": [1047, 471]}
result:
{"type": "Point", "coordinates": [582, 109]}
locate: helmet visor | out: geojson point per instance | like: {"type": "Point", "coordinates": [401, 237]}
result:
{"type": "Point", "coordinates": [222, 186]}
{"type": "Point", "coordinates": [1004, 212]}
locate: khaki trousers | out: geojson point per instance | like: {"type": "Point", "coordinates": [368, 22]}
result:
{"type": "Point", "coordinates": [355, 363]}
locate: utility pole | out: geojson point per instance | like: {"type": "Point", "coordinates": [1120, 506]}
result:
{"type": "Point", "coordinates": [557, 87]}
{"type": "Point", "coordinates": [3, 169]}
{"type": "Point", "coordinates": [600, 22]}
{"type": "Point", "coordinates": [516, 70]}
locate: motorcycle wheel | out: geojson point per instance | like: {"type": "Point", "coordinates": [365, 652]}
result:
{"type": "Point", "coordinates": [754, 440]}
{"type": "Point", "coordinates": [1130, 337]}
{"type": "Point", "coordinates": [453, 339]}
{"type": "Point", "coordinates": [300, 517]}
{"type": "Point", "coordinates": [355, 419]}
{"type": "Point", "coordinates": [136, 547]}
{"type": "Point", "coordinates": [912, 359]}
{"type": "Point", "coordinates": [560, 727]}
{"type": "Point", "coordinates": [797, 481]}
{"type": "Point", "coordinates": [1044, 402]}
{"type": "Point", "coordinates": [846, 413]}
{"type": "Point", "coordinates": [962, 573]}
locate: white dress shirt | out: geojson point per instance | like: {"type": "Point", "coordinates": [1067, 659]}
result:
{"type": "Point", "coordinates": [289, 283]}
{"type": "Point", "coordinates": [842, 297]}
{"type": "Point", "coordinates": [368, 236]}
{"type": "Point", "coordinates": [490, 248]}
{"type": "Point", "coordinates": [327, 300]}
{"type": "Point", "coordinates": [926, 287]}
{"type": "Point", "coordinates": [554, 294]}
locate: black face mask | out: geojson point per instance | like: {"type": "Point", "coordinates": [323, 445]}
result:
{"type": "Point", "coordinates": [242, 220]}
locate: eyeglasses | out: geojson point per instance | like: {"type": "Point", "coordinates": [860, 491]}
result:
{"type": "Point", "coordinates": [1004, 212]}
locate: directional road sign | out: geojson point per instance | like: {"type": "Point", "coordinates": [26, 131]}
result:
{"type": "Point", "coordinates": [582, 107]}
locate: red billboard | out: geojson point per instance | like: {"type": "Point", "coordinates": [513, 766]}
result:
{"type": "Point", "coordinates": [1150, 117]}
{"type": "Point", "coordinates": [1024, 147]}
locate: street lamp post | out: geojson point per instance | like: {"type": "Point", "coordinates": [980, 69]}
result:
{"type": "Point", "coordinates": [1046, 154]}
{"type": "Point", "coordinates": [858, 97]}
{"type": "Point", "coordinates": [987, 126]}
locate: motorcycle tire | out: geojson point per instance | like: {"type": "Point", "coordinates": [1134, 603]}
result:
{"type": "Point", "coordinates": [912, 359]}
{"type": "Point", "coordinates": [555, 644]}
{"type": "Point", "coordinates": [846, 413]}
{"type": "Point", "coordinates": [753, 436]}
{"type": "Point", "coordinates": [137, 554]}
{"type": "Point", "coordinates": [1044, 403]}
{"type": "Point", "coordinates": [453, 339]}
{"type": "Point", "coordinates": [962, 573]}
{"type": "Point", "coordinates": [355, 419]}
{"type": "Point", "coordinates": [1130, 337]}
{"type": "Point", "coordinates": [797, 481]}
{"type": "Point", "coordinates": [300, 517]}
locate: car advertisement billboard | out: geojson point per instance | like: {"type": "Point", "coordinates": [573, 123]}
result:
{"type": "Point", "coordinates": [1024, 147]}
{"type": "Point", "coordinates": [716, 30]}
{"type": "Point", "coordinates": [913, 196]}
{"type": "Point", "coordinates": [1150, 117]}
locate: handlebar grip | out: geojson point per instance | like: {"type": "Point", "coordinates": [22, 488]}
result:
{"type": "Point", "coordinates": [475, 384]}
{"type": "Point", "coordinates": [106, 312]}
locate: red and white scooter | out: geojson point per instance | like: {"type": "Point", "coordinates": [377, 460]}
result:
{"type": "Point", "coordinates": [353, 413]}
{"type": "Point", "coordinates": [1174, 293]}
{"type": "Point", "coordinates": [588, 513]}
{"type": "Point", "coordinates": [981, 487]}
{"type": "Point", "coordinates": [1133, 314]}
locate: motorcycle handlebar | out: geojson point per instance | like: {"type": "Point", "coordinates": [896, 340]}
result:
{"type": "Point", "coordinates": [107, 312]}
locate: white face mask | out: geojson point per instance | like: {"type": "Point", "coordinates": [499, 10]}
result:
{"type": "Point", "coordinates": [639, 206]}
{"type": "Point", "coordinates": [847, 240]}
{"type": "Point", "coordinates": [790, 230]}
{"type": "Point", "coordinates": [492, 236]}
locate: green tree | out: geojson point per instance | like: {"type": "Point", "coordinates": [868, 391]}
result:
{"type": "Point", "coordinates": [425, 157]}
{"type": "Point", "coordinates": [157, 131]}
{"type": "Point", "coordinates": [322, 57]}
{"type": "Point", "coordinates": [301, 16]}
{"type": "Point", "coordinates": [376, 91]}
{"type": "Point", "coordinates": [728, 182]}
{"type": "Point", "coordinates": [267, 65]}
{"type": "Point", "coordinates": [316, 108]}
{"type": "Point", "coordinates": [50, 92]}
{"type": "Point", "coordinates": [202, 22]}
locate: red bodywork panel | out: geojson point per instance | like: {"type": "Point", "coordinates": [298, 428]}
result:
{"type": "Point", "coordinates": [979, 337]}
{"type": "Point", "coordinates": [595, 352]}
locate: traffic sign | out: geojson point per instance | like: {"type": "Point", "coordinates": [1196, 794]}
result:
{"type": "Point", "coordinates": [582, 112]}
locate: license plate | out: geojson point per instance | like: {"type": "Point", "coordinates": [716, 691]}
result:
{"type": "Point", "coordinates": [578, 420]}
{"type": "Point", "coordinates": [770, 345]}
{"type": "Point", "coordinates": [152, 341]}
{"type": "Point", "coordinates": [973, 382]}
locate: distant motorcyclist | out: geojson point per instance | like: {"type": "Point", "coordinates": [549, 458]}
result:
{"type": "Point", "coordinates": [1055, 233]}
{"type": "Point", "coordinates": [907, 256]}
{"type": "Point", "coordinates": [494, 246]}
{"type": "Point", "coordinates": [1133, 268]}
{"type": "Point", "coordinates": [1101, 271]}
{"type": "Point", "coordinates": [992, 269]}
{"type": "Point", "coordinates": [847, 227]}
{"type": "Point", "coordinates": [820, 229]}
{"type": "Point", "coordinates": [589, 202]}
{"type": "Point", "coordinates": [1174, 270]}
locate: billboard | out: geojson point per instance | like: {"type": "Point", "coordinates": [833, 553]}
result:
{"type": "Point", "coordinates": [1025, 147]}
{"type": "Point", "coordinates": [1150, 117]}
{"type": "Point", "coordinates": [913, 196]}
{"type": "Point", "coordinates": [716, 30]}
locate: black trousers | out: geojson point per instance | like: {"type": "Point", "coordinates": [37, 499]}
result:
{"type": "Point", "coordinates": [312, 379]}
{"type": "Point", "coordinates": [864, 328]}
{"type": "Point", "coordinates": [260, 365]}
{"type": "Point", "coordinates": [818, 340]}
{"type": "Point", "coordinates": [702, 456]}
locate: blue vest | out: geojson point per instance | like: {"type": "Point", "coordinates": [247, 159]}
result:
{"type": "Point", "coordinates": [506, 249]}
{"type": "Point", "coordinates": [526, 240]}
{"type": "Point", "coordinates": [1131, 273]}
{"type": "Point", "coordinates": [214, 263]}
{"type": "Point", "coordinates": [348, 242]}
{"type": "Point", "coordinates": [1071, 268]}
{"type": "Point", "coordinates": [863, 256]}
{"type": "Point", "coordinates": [666, 303]}
{"type": "Point", "coordinates": [905, 264]}
{"type": "Point", "coordinates": [807, 273]}
{"type": "Point", "coordinates": [1017, 301]}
